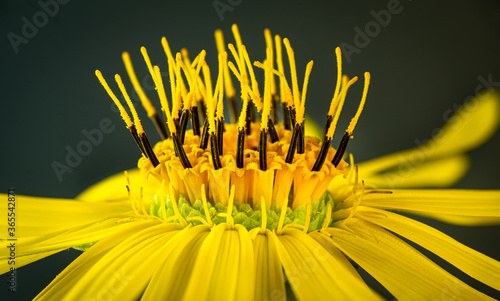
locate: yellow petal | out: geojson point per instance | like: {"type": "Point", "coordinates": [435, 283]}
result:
{"type": "Point", "coordinates": [224, 266]}
{"type": "Point", "coordinates": [72, 274]}
{"type": "Point", "coordinates": [465, 203]}
{"type": "Point", "coordinates": [326, 243]}
{"type": "Point", "coordinates": [124, 272]}
{"type": "Point", "coordinates": [170, 280]}
{"type": "Point", "coordinates": [45, 215]}
{"type": "Point", "coordinates": [29, 247]}
{"type": "Point", "coordinates": [402, 270]}
{"type": "Point", "coordinates": [111, 188]}
{"type": "Point", "coordinates": [314, 274]}
{"type": "Point", "coordinates": [471, 262]}
{"type": "Point", "coordinates": [437, 173]}
{"type": "Point", "coordinates": [469, 127]}
{"type": "Point", "coordinates": [270, 283]}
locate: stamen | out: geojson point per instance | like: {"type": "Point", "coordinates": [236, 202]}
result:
{"type": "Point", "coordinates": [237, 38]}
{"type": "Point", "coordinates": [343, 94]}
{"type": "Point", "coordinates": [163, 99]}
{"type": "Point", "coordinates": [255, 86]}
{"type": "Point", "coordinates": [130, 125]}
{"type": "Point", "coordinates": [335, 100]}
{"type": "Point", "coordinates": [166, 49]}
{"type": "Point", "coordinates": [293, 145]}
{"type": "Point", "coordinates": [229, 216]}
{"type": "Point", "coordinates": [308, 218]}
{"type": "Point", "coordinates": [205, 205]}
{"type": "Point", "coordinates": [328, 218]}
{"type": "Point", "coordinates": [182, 221]}
{"type": "Point", "coordinates": [240, 147]}
{"type": "Point", "coordinates": [263, 150]}
{"type": "Point", "coordinates": [293, 72]}
{"type": "Point", "coordinates": [341, 150]}
{"type": "Point", "coordinates": [284, 208]}
{"type": "Point", "coordinates": [345, 139]}
{"type": "Point", "coordinates": [228, 83]}
{"type": "Point", "coordinates": [263, 225]}
{"type": "Point", "coordinates": [204, 135]}
{"type": "Point", "coordinates": [322, 154]}
{"type": "Point", "coordinates": [353, 122]}
{"type": "Point", "coordinates": [195, 120]}
{"type": "Point", "coordinates": [183, 124]}
{"type": "Point", "coordinates": [146, 103]}
{"type": "Point", "coordinates": [180, 152]}
{"type": "Point", "coordinates": [123, 113]}
{"type": "Point", "coordinates": [301, 110]}
{"type": "Point", "coordinates": [214, 148]}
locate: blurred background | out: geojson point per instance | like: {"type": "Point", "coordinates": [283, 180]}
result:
{"type": "Point", "coordinates": [425, 59]}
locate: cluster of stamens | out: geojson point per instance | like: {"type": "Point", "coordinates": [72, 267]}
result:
{"type": "Point", "coordinates": [264, 160]}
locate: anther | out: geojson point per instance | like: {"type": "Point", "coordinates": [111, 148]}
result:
{"type": "Point", "coordinates": [341, 150]}
{"type": "Point", "coordinates": [322, 154]}
{"type": "Point", "coordinates": [214, 149]}
{"type": "Point", "coordinates": [263, 150]}
{"type": "Point", "coordinates": [240, 148]}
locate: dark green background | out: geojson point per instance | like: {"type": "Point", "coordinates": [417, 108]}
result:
{"type": "Point", "coordinates": [425, 61]}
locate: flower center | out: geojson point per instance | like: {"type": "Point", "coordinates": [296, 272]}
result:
{"type": "Point", "coordinates": [235, 171]}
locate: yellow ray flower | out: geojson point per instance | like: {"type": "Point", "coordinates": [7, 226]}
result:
{"type": "Point", "coordinates": [258, 209]}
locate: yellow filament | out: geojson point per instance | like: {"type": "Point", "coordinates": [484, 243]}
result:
{"type": "Point", "coordinates": [343, 93]}
{"type": "Point", "coordinates": [163, 205]}
{"type": "Point", "coordinates": [328, 218]}
{"type": "Point", "coordinates": [178, 215]}
{"type": "Point", "coordinates": [205, 205]}
{"type": "Point", "coordinates": [209, 99]}
{"type": "Point", "coordinates": [198, 218]}
{"type": "Point", "coordinates": [284, 207]}
{"type": "Point", "coordinates": [123, 113]}
{"type": "Point", "coordinates": [229, 216]}
{"type": "Point", "coordinates": [132, 202]}
{"type": "Point", "coordinates": [302, 108]}
{"type": "Point", "coordinates": [228, 83]}
{"type": "Point", "coordinates": [142, 203]}
{"type": "Point", "coordinates": [293, 71]}
{"type": "Point", "coordinates": [137, 121]}
{"type": "Point", "coordinates": [263, 226]}
{"type": "Point", "coordinates": [163, 100]}
{"type": "Point", "coordinates": [146, 103]}
{"type": "Point", "coordinates": [335, 101]}
{"type": "Point", "coordinates": [308, 218]}
{"type": "Point", "coordinates": [171, 75]}
{"type": "Point", "coordinates": [361, 105]}
{"type": "Point", "coordinates": [269, 44]}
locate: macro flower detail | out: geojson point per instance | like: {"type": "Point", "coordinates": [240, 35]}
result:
{"type": "Point", "coordinates": [251, 206]}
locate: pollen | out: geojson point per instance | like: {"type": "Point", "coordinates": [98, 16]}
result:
{"type": "Point", "coordinates": [256, 167]}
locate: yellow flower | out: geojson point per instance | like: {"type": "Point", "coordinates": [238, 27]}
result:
{"type": "Point", "coordinates": [256, 209]}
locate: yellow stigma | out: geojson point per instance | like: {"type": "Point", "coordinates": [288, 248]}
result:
{"type": "Point", "coordinates": [137, 121]}
{"type": "Point", "coordinates": [146, 103]}
{"type": "Point", "coordinates": [123, 113]}
{"type": "Point", "coordinates": [350, 129]}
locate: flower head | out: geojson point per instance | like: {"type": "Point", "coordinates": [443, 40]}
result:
{"type": "Point", "coordinates": [256, 209]}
